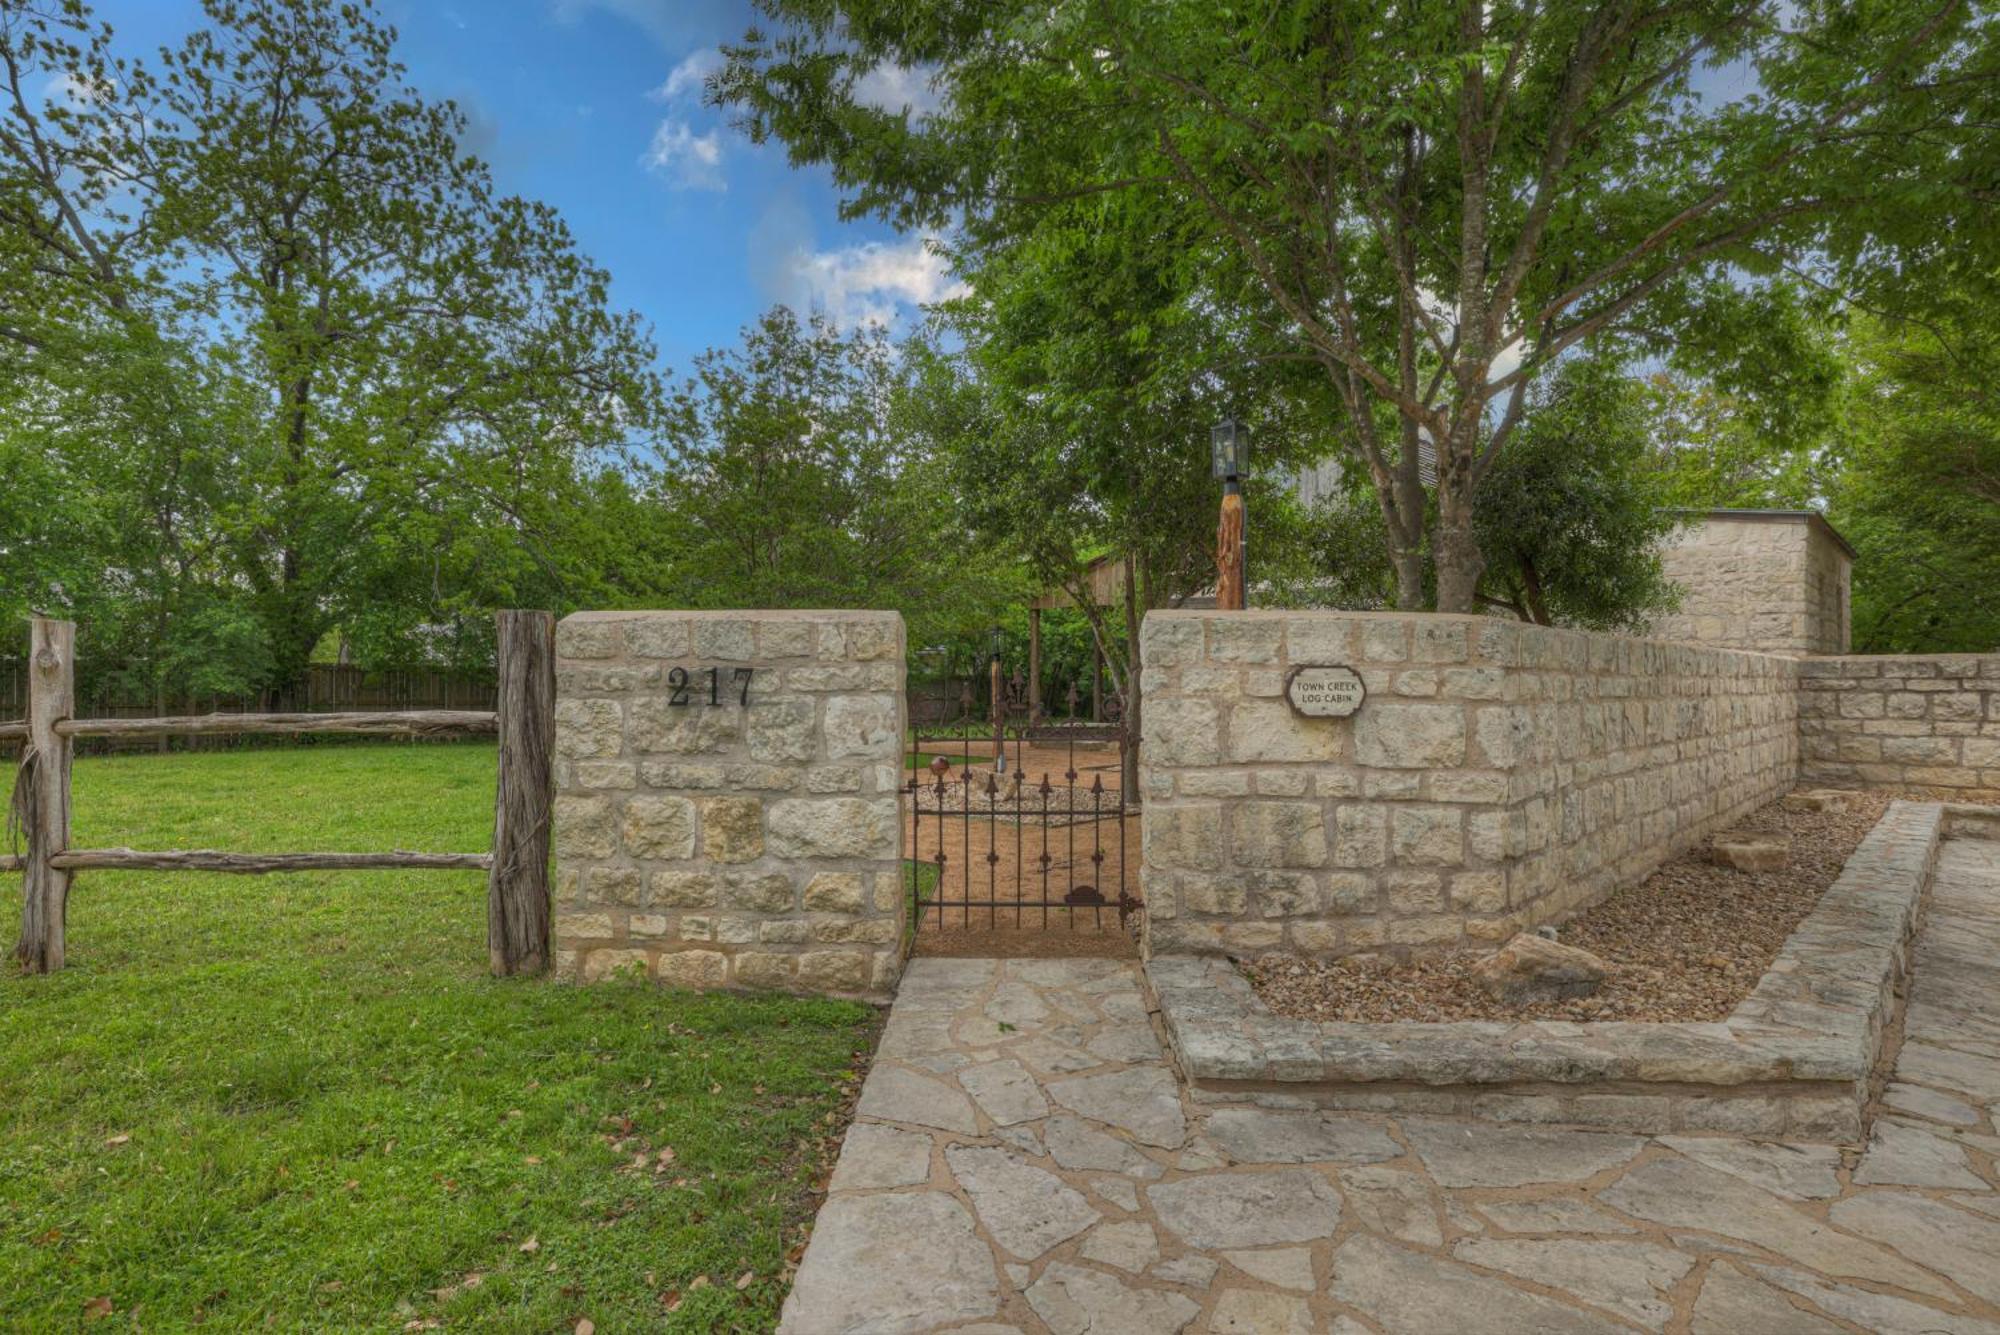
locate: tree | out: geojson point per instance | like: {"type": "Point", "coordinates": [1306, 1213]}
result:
{"type": "Point", "coordinates": [1918, 489]}
{"type": "Point", "coordinates": [1572, 520]}
{"type": "Point", "coordinates": [788, 478]}
{"type": "Point", "coordinates": [1432, 203]}
{"type": "Point", "coordinates": [408, 372]}
{"type": "Point", "coordinates": [1076, 422]}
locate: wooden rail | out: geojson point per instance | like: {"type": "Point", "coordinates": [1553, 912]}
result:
{"type": "Point", "coordinates": [381, 723]}
{"type": "Point", "coordinates": [209, 859]}
{"type": "Point", "coordinates": [517, 870]}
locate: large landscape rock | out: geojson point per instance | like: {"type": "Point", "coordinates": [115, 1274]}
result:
{"type": "Point", "coordinates": [1753, 850]}
{"type": "Point", "coordinates": [1531, 968]}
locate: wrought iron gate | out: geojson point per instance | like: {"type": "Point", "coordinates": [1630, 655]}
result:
{"type": "Point", "coordinates": [1003, 849]}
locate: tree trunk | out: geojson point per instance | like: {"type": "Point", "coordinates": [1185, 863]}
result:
{"type": "Point", "coordinates": [1459, 563]}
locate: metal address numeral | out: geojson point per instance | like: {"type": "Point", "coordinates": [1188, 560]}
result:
{"type": "Point", "coordinates": [678, 682]}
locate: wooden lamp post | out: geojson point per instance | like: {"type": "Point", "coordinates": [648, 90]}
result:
{"type": "Point", "coordinates": [1229, 450]}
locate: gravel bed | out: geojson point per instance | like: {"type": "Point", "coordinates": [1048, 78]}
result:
{"type": "Point", "coordinates": [1687, 943]}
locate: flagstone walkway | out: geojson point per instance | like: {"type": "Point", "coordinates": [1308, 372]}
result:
{"type": "Point", "coordinates": [1024, 1159]}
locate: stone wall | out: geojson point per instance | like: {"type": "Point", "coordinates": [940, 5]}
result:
{"type": "Point", "coordinates": [1774, 581]}
{"type": "Point", "coordinates": [734, 830]}
{"type": "Point", "coordinates": [1929, 720]}
{"type": "Point", "coordinates": [1497, 776]}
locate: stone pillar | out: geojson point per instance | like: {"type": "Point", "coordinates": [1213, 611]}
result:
{"type": "Point", "coordinates": [726, 799]}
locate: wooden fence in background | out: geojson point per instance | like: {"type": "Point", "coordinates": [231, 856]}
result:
{"type": "Point", "coordinates": [325, 687]}
{"type": "Point", "coordinates": [522, 715]}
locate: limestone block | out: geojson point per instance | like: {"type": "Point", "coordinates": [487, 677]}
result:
{"type": "Point", "coordinates": [692, 968]}
{"type": "Point", "coordinates": [762, 968]}
{"type": "Point", "coordinates": [1818, 799]}
{"type": "Point", "coordinates": [658, 637]}
{"type": "Point", "coordinates": [658, 827]}
{"type": "Point", "coordinates": [785, 639]}
{"type": "Point", "coordinates": [1410, 736]}
{"type": "Point", "coordinates": [684, 889]}
{"type": "Point", "coordinates": [1244, 640]}
{"type": "Point", "coordinates": [1427, 836]}
{"type": "Point", "coordinates": [584, 827]}
{"type": "Point", "coordinates": [656, 726]}
{"type": "Point", "coordinates": [1170, 641]}
{"type": "Point", "coordinates": [758, 892]}
{"type": "Point", "coordinates": [834, 970]}
{"type": "Point", "coordinates": [838, 827]}
{"type": "Point", "coordinates": [587, 637]}
{"type": "Point", "coordinates": [611, 885]}
{"type": "Point", "coordinates": [1262, 731]}
{"type": "Point", "coordinates": [584, 926]}
{"type": "Point", "coordinates": [875, 639]}
{"type": "Point", "coordinates": [1181, 732]}
{"type": "Point", "coordinates": [782, 730]}
{"type": "Point", "coordinates": [1278, 834]}
{"type": "Point", "coordinates": [606, 774]}
{"type": "Point", "coordinates": [1361, 835]}
{"type": "Point", "coordinates": [1529, 968]}
{"type": "Point", "coordinates": [732, 829]}
{"type": "Point", "coordinates": [602, 964]}
{"type": "Point", "coordinates": [1385, 641]}
{"type": "Point", "coordinates": [589, 728]}
{"type": "Point", "coordinates": [862, 725]}
{"type": "Point", "coordinates": [1753, 850]}
{"type": "Point", "coordinates": [1187, 837]}
{"type": "Point", "coordinates": [835, 892]}
{"type": "Point", "coordinates": [1319, 640]}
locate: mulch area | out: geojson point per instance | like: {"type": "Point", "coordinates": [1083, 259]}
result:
{"type": "Point", "coordinates": [1687, 943]}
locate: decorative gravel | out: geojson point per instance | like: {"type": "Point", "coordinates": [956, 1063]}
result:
{"type": "Point", "coordinates": [1687, 943]}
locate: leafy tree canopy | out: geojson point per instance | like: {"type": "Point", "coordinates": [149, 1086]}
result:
{"type": "Point", "coordinates": [1431, 203]}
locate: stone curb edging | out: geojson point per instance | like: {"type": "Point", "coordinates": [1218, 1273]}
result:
{"type": "Point", "coordinates": [1793, 1059]}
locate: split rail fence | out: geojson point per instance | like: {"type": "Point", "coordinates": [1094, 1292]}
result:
{"type": "Point", "coordinates": [517, 886]}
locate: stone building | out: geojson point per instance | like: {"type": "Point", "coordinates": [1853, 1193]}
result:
{"type": "Point", "coordinates": [1775, 580]}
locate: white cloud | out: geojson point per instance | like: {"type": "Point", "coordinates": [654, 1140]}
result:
{"type": "Point", "coordinates": [898, 88]}
{"type": "Point", "coordinates": [688, 160]}
{"type": "Point", "coordinates": [686, 78]}
{"type": "Point", "coordinates": [872, 283]}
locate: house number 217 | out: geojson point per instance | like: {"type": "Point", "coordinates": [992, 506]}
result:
{"type": "Point", "coordinates": [679, 682]}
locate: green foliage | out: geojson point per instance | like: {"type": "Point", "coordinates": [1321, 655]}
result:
{"type": "Point", "coordinates": [791, 478]}
{"type": "Point", "coordinates": [1572, 520]}
{"type": "Point", "coordinates": [337, 1120]}
{"type": "Point", "coordinates": [289, 350]}
{"type": "Point", "coordinates": [1400, 196]}
{"type": "Point", "coordinates": [1919, 492]}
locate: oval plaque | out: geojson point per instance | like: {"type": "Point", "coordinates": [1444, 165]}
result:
{"type": "Point", "coordinates": [1333, 691]}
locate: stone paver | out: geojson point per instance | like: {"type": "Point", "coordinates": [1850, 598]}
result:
{"type": "Point", "coordinates": [1053, 1175]}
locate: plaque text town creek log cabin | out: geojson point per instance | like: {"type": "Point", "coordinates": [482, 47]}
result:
{"type": "Point", "coordinates": [1332, 691]}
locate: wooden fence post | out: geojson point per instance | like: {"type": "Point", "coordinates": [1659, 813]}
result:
{"type": "Point", "coordinates": [517, 889]}
{"type": "Point", "coordinates": [41, 794]}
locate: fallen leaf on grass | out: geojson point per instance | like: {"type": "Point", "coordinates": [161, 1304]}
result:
{"type": "Point", "coordinates": [585, 1326]}
{"type": "Point", "coordinates": [423, 1323]}
{"type": "Point", "coordinates": [121, 1138]}
{"type": "Point", "coordinates": [744, 1280]}
{"type": "Point", "coordinates": [532, 1158]}
{"type": "Point", "coordinates": [531, 1245]}
{"type": "Point", "coordinates": [93, 1308]}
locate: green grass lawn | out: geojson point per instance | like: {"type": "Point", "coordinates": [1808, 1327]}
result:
{"type": "Point", "coordinates": [298, 1102]}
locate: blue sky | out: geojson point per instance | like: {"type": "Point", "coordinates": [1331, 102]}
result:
{"type": "Point", "coordinates": [594, 106]}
